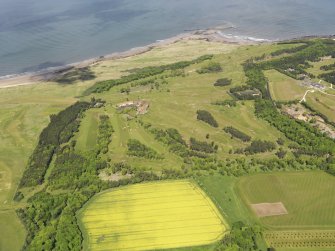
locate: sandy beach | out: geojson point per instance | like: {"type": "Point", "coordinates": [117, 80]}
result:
{"type": "Point", "coordinates": [210, 35]}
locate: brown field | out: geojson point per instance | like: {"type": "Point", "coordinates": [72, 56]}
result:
{"type": "Point", "coordinates": [269, 209]}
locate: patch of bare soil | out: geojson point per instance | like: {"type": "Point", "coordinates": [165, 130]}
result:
{"type": "Point", "coordinates": [269, 209]}
{"type": "Point", "coordinates": [113, 177]}
{"type": "Point", "coordinates": [141, 106]}
{"type": "Point", "coordinates": [299, 112]}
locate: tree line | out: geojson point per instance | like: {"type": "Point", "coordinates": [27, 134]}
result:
{"type": "Point", "coordinates": [145, 72]}
{"type": "Point", "coordinates": [59, 130]}
{"type": "Point", "coordinates": [138, 149]}
{"type": "Point", "coordinates": [237, 133]}
{"type": "Point", "coordinates": [207, 117]}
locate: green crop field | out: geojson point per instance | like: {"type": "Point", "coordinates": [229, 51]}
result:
{"type": "Point", "coordinates": [151, 216]}
{"type": "Point", "coordinates": [284, 88]}
{"type": "Point", "coordinates": [307, 196]}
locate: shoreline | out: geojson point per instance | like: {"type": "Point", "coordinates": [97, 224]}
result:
{"type": "Point", "coordinates": [210, 35]}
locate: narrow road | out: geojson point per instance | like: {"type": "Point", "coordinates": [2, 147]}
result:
{"type": "Point", "coordinates": [304, 97]}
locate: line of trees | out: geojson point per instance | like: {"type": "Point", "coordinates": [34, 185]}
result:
{"type": "Point", "coordinates": [104, 134]}
{"type": "Point", "coordinates": [211, 67]}
{"type": "Point", "coordinates": [328, 67]}
{"type": "Point", "coordinates": [203, 146]}
{"type": "Point", "coordinates": [137, 149]}
{"type": "Point", "coordinates": [237, 133]}
{"type": "Point", "coordinates": [207, 117]}
{"type": "Point", "coordinates": [290, 50]}
{"type": "Point", "coordinates": [223, 82]}
{"type": "Point", "coordinates": [329, 77]}
{"type": "Point", "coordinates": [230, 103]}
{"type": "Point", "coordinates": [260, 146]}
{"type": "Point", "coordinates": [245, 92]}
{"type": "Point", "coordinates": [149, 71]}
{"type": "Point", "coordinates": [298, 62]}
{"type": "Point", "coordinates": [60, 129]}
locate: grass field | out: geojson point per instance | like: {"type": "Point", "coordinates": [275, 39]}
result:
{"type": "Point", "coordinates": [222, 190]}
{"type": "Point", "coordinates": [284, 88]}
{"type": "Point", "coordinates": [307, 196]}
{"type": "Point", "coordinates": [151, 216]}
{"type": "Point", "coordinates": [88, 131]}
{"type": "Point", "coordinates": [323, 103]}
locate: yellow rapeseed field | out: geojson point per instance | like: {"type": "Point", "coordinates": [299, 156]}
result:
{"type": "Point", "coordinates": [150, 216]}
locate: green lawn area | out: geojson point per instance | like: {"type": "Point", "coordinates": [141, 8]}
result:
{"type": "Point", "coordinates": [12, 231]}
{"type": "Point", "coordinates": [284, 88]}
{"type": "Point", "coordinates": [307, 196]}
{"type": "Point", "coordinates": [222, 190]}
{"type": "Point", "coordinates": [88, 130]}
{"type": "Point", "coordinates": [323, 103]}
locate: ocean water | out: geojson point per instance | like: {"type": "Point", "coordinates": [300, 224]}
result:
{"type": "Point", "coordinates": [37, 34]}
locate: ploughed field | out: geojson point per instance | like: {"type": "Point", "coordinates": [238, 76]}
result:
{"type": "Point", "coordinates": [149, 216]}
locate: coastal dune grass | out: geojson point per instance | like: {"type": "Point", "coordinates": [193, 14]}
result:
{"type": "Point", "coordinates": [150, 216]}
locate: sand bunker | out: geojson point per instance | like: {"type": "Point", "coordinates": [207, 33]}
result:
{"type": "Point", "coordinates": [269, 209]}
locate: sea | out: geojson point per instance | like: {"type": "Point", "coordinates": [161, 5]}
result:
{"type": "Point", "coordinates": [35, 34]}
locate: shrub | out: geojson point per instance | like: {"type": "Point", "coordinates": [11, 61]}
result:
{"type": "Point", "coordinates": [260, 146]}
{"type": "Point", "coordinates": [222, 82]}
{"type": "Point", "coordinates": [202, 146]}
{"type": "Point", "coordinates": [136, 148]}
{"type": "Point", "coordinates": [207, 117]}
{"type": "Point", "coordinates": [210, 68]}
{"type": "Point", "coordinates": [237, 133]}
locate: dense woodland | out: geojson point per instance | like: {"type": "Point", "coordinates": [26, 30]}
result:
{"type": "Point", "coordinates": [49, 216]}
{"type": "Point", "coordinates": [60, 129]}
